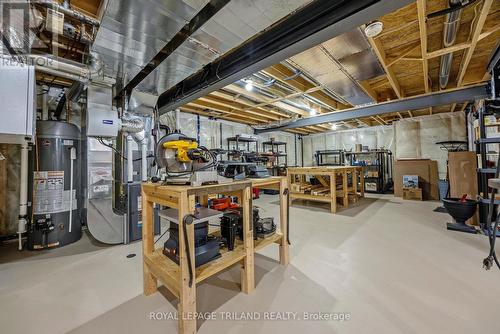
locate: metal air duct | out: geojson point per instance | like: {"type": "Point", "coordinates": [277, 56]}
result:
{"type": "Point", "coordinates": [451, 25]}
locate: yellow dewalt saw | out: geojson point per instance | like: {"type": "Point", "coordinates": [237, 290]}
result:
{"type": "Point", "coordinates": [184, 161]}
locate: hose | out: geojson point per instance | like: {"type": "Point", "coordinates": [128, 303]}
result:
{"type": "Point", "coordinates": [188, 220]}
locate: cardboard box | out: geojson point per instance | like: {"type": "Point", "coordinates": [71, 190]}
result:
{"type": "Point", "coordinates": [427, 171]}
{"type": "Point", "coordinates": [412, 194]}
{"type": "Point", "coordinates": [410, 181]}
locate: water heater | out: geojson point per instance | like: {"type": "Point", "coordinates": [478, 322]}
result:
{"type": "Point", "coordinates": [56, 186]}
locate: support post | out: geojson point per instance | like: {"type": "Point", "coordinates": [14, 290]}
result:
{"type": "Point", "coordinates": [150, 283]}
{"type": "Point", "coordinates": [284, 257]}
{"type": "Point", "coordinates": [187, 294]}
{"type": "Point", "coordinates": [247, 272]}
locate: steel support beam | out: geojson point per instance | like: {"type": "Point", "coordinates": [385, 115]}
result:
{"type": "Point", "coordinates": [315, 23]}
{"type": "Point", "coordinates": [411, 103]}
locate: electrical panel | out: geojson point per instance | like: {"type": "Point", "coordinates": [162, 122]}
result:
{"type": "Point", "coordinates": [18, 103]}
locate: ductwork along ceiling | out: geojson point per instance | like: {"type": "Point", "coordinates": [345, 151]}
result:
{"type": "Point", "coordinates": [338, 63]}
{"type": "Point", "coordinates": [132, 32]}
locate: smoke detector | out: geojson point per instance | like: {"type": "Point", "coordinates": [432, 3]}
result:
{"type": "Point", "coordinates": [374, 28]}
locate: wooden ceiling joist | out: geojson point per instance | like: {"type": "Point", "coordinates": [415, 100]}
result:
{"type": "Point", "coordinates": [281, 72]}
{"type": "Point", "coordinates": [422, 26]}
{"type": "Point", "coordinates": [391, 76]}
{"type": "Point", "coordinates": [467, 57]}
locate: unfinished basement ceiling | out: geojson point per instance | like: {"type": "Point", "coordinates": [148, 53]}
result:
{"type": "Point", "coordinates": [132, 32]}
{"type": "Point", "coordinates": [352, 69]}
{"type": "Point", "coordinates": [238, 21]}
{"type": "Point", "coordinates": [340, 63]}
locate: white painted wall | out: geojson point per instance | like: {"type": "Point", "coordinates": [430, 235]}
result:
{"type": "Point", "coordinates": [407, 138]}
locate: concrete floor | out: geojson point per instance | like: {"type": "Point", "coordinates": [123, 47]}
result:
{"type": "Point", "coordinates": [390, 264]}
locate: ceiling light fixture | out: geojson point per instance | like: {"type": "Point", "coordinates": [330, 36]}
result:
{"type": "Point", "coordinates": [334, 126]}
{"type": "Point", "coordinates": [249, 86]}
{"type": "Point", "coordinates": [312, 112]}
{"type": "Point", "coordinates": [373, 29]}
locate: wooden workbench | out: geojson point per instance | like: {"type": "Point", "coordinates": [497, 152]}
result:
{"type": "Point", "coordinates": [176, 278]}
{"type": "Point", "coordinates": [337, 175]}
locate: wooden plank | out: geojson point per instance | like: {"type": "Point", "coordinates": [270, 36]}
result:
{"type": "Point", "coordinates": [422, 25]}
{"type": "Point", "coordinates": [322, 180]}
{"type": "Point", "coordinates": [467, 57]}
{"type": "Point", "coordinates": [449, 49]}
{"type": "Point", "coordinates": [326, 199]}
{"type": "Point", "coordinates": [391, 76]}
{"type": "Point", "coordinates": [333, 192]}
{"type": "Point", "coordinates": [284, 249]}
{"type": "Point", "coordinates": [247, 273]}
{"type": "Point", "coordinates": [187, 289]}
{"type": "Point", "coordinates": [150, 283]}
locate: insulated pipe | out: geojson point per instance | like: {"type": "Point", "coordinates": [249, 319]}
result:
{"type": "Point", "coordinates": [451, 25]}
{"type": "Point", "coordinates": [23, 194]}
{"type": "Point", "coordinates": [70, 12]}
{"type": "Point", "coordinates": [130, 159]}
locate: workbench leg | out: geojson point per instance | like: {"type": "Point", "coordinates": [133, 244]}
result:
{"type": "Point", "coordinates": [284, 255]}
{"type": "Point", "coordinates": [345, 187]}
{"type": "Point", "coordinates": [333, 193]}
{"type": "Point", "coordinates": [187, 294]}
{"type": "Point", "coordinates": [247, 272]}
{"type": "Point", "coordinates": [149, 281]}
{"type": "Point", "coordinates": [355, 182]}
{"type": "Point", "coordinates": [362, 181]}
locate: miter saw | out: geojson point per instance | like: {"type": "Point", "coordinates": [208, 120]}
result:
{"type": "Point", "coordinates": [185, 162]}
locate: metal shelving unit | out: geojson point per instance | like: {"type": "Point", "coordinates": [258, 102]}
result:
{"type": "Point", "coordinates": [330, 158]}
{"type": "Point", "coordinates": [379, 161]}
{"type": "Point", "coordinates": [486, 170]}
{"type": "Point", "coordinates": [236, 141]}
{"type": "Point", "coordinates": [278, 149]}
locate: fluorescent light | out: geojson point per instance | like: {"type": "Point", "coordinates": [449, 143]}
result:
{"type": "Point", "coordinates": [249, 86]}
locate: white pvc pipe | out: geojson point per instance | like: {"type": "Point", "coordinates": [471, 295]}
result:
{"type": "Point", "coordinates": [73, 158]}
{"type": "Point", "coordinates": [144, 161]}
{"type": "Point", "coordinates": [23, 194]}
{"type": "Point", "coordinates": [130, 159]}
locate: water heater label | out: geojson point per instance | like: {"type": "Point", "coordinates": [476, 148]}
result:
{"type": "Point", "coordinates": [48, 188]}
{"type": "Point", "coordinates": [107, 121]}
